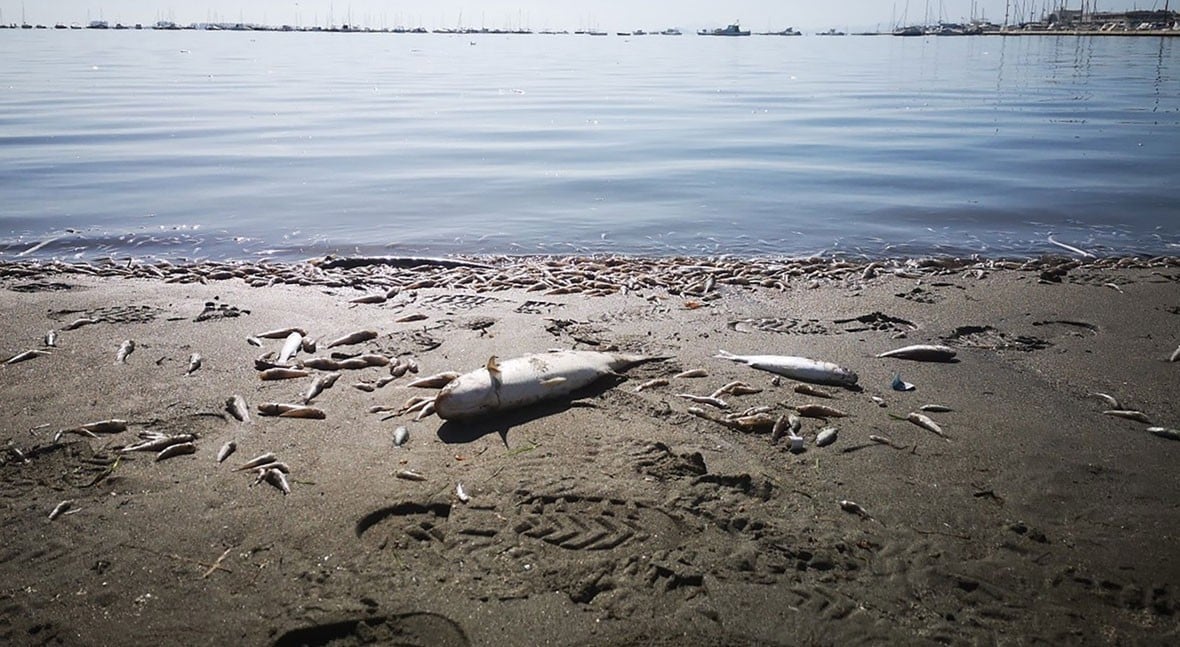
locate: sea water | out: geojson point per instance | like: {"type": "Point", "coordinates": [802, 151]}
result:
{"type": "Point", "coordinates": [243, 145]}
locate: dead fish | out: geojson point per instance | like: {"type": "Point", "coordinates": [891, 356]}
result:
{"type": "Point", "coordinates": [176, 450]}
{"type": "Point", "coordinates": [26, 355]}
{"type": "Point", "coordinates": [787, 424]}
{"type": "Point", "coordinates": [322, 364]}
{"type": "Point", "coordinates": [383, 382]}
{"type": "Point", "coordinates": [929, 425]}
{"type": "Point", "coordinates": [112, 426]}
{"type": "Point", "coordinates": [885, 441]}
{"type": "Point", "coordinates": [807, 389]}
{"type": "Point", "coordinates": [436, 381]}
{"type": "Point", "coordinates": [416, 316]}
{"type": "Point", "coordinates": [796, 368]}
{"type": "Point", "coordinates": [280, 373]}
{"type": "Point", "coordinates": [226, 450]}
{"type": "Point", "coordinates": [353, 338]}
{"type": "Point", "coordinates": [521, 381]}
{"type": "Point", "coordinates": [409, 475]}
{"type": "Point", "coordinates": [291, 411]}
{"type": "Point", "coordinates": [281, 333]}
{"type": "Point", "coordinates": [369, 298]}
{"type": "Point", "coordinates": [367, 387]}
{"type": "Point", "coordinates": [290, 347]}
{"type": "Point", "coordinates": [878, 400]}
{"type": "Point", "coordinates": [400, 436]}
{"type": "Point", "coordinates": [704, 399]}
{"type": "Point", "coordinates": [1137, 416]}
{"type": "Point", "coordinates": [922, 353]}
{"type": "Point", "coordinates": [826, 436]}
{"type": "Point", "coordinates": [1110, 400]}
{"type": "Point", "coordinates": [254, 341]}
{"type": "Point", "coordinates": [1175, 354]}
{"type": "Point", "coordinates": [237, 407]}
{"type": "Point", "coordinates": [696, 372]}
{"type": "Point", "coordinates": [261, 459]}
{"type": "Point", "coordinates": [855, 508]}
{"type": "Point", "coordinates": [736, 388]}
{"type": "Point", "coordinates": [1165, 432]}
{"type": "Point", "coordinates": [320, 384]}
{"type": "Point", "coordinates": [51, 338]}
{"type": "Point", "coordinates": [79, 322]}
{"type": "Point", "coordinates": [398, 368]}
{"type": "Point", "coordinates": [60, 508]}
{"type": "Point", "coordinates": [819, 411]}
{"type": "Point", "coordinates": [372, 359]}
{"type": "Point", "coordinates": [125, 349]}
{"type": "Point", "coordinates": [158, 443]}
{"type": "Point", "coordinates": [935, 408]}
{"type": "Point", "coordinates": [651, 384]}
{"type": "Point", "coordinates": [194, 363]}
{"type": "Point", "coordinates": [277, 479]}
{"type": "Point", "coordinates": [900, 384]}
{"type": "Point", "coordinates": [426, 411]}
{"type": "Point", "coordinates": [377, 408]}
{"type": "Point", "coordinates": [461, 494]}
{"type": "Point", "coordinates": [308, 345]}
{"type": "Point", "coordinates": [275, 465]}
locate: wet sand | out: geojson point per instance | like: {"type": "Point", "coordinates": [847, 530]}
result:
{"type": "Point", "coordinates": [617, 516]}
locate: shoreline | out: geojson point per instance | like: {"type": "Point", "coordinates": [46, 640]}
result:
{"type": "Point", "coordinates": [620, 516]}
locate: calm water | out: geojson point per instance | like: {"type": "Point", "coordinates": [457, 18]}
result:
{"type": "Point", "coordinates": [240, 145]}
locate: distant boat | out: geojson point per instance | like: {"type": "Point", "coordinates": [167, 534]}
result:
{"type": "Point", "coordinates": [731, 30]}
{"type": "Point", "coordinates": [830, 32]}
{"type": "Point", "coordinates": [912, 30]}
{"type": "Point", "coordinates": [785, 32]}
{"type": "Point", "coordinates": [672, 31]}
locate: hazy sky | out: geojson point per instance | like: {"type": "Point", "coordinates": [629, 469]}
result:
{"type": "Point", "coordinates": [612, 15]}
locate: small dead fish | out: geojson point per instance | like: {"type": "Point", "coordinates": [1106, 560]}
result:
{"type": "Point", "coordinates": [158, 443]}
{"type": "Point", "coordinates": [275, 465]}
{"type": "Point", "coordinates": [900, 384]}
{"type": "Point", "coordinates": [1137, 416]}
{"type": "Point", "coordinates": [377, 408]}
{"type": "Point", "coordinates": [461, 494]}
{"type": "Point", "coordinates": [819, 411]}
{"type": "Point", "coordinates": [878, 400]}
{"type": "Point", "coordinates": [261, 459]}
{"type": "Point", "coordinates": [398, 368]}
{"type": "Point", "coordinates": [412, 365]}
{"type": "Point", "coordinates": [1110, 400]}
{"type": "Point", "coordinates": [409, 475]}
{"type": "Point", "coordinates": [320, 384]}
{"type": "Point", "coordinates": [60, 508]}
{"type": "Point", "coordinates": [370, 298]}
{"type": "Point", "coordinates": [352, 364]}
{"type": "Point", "coordinates": [290, 347]}
{"type": "Point", "coordinates": [194, 363]}
{"type": "Point", "coordinates": [696, 372]}
{"type": "Point", "coordinates": [372, 359]}
{"type": "Point", "coordinates": [308, 345]}
{"type": "Point", "coordinates": [1175, 355]}
{"type": "Point", "coordinates": [176, 450]}
{"type": "Point", "coordinates": [26, 355]}
{"type": "Point", "coordinates": [237, 407]}
{"type": "Point", "coordinates": [400, 436]}
{"type": "Point", "coordinates": [277, 479]}
{"type": "Point", "coordinates": [651, 384]}
{"type": "Point", "coordinates": [736, 388]}
{"type": "Point", "coordinates": [78, 323]}
{"type": "Point", "coordinates": [826, 436]}
{"type": "Point", "coordinates": [353, 338]}
{"type": "Point", "coordinates": [383, 382]}
{"type": "Point", "coordinates": [1165, 432]}
{"type": "Point", "coordinates": [125, 349]}
{"type": "Point", "coordinates": [322, 363]}
{"type": "Point", "coordinates": [855, 508]}
{"type": "Point", "coordinates": [112, 426]}
{"type": "Point", "coordinates": [436, 381]}
{"type": "Point", "coordinates": [922, 353]}
{"type": "Point", "coordinates": [929, 425]}
{"type": "Point", "coordinates": [415, 316]}
{"type": "Point", "coordinates": [885, 441]}
{"type": "Point", "coordinates": [935, 408]}
{"type": "Point", "coordinates": [280, 373]}
{"type": "Point", "coordinates": [788, 424]}
{"type": "Point", "coordinates": [291, 411]}
{"type": "Point", "coordinates": [367, 387]}
{"type": "Point", "coordinates": [704, 399]}
{"type": "Point", "coordinates": [226, 450]}
{"type": "Point", "coordinates": [281, 333]}
{"type": "Point", "coordinates": [807, 389]}
{"type": "Point", "coordinates": [254, 341]}
{"type": "Point", "coordinates": [51, 338]}
{"type": "Point", "coordinates": [426, 411]}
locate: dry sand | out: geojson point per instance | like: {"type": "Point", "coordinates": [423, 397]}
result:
{"type": "Point", "coordinates": [615, 518]}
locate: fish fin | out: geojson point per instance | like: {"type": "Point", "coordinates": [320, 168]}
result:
{"type": "Point", "coordinates": [493, 364]}
{"type": "Point", "coordinates": [553, 381]}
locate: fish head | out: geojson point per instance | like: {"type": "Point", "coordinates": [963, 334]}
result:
{"type": "Point", "coordinates": [846, 377]}
{"type": "Point", "coordinates": [467, 395]}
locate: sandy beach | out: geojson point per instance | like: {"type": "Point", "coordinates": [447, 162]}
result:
{"type": "Point", "coordinates": [616, 516]}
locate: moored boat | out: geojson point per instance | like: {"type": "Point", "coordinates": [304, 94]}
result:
{"type": "Point", "coordinates": [731, 30]}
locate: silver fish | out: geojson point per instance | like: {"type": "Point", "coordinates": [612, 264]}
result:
{"type": "Point", "coordinates": [410, 475]}
{"type": "Point", "coordinates": [51, 338]}
{"type": "Point", "coordinates": [400, 436]}
{"type": "Point", "coordinates": [226, 450]}
{"type": "Point", "coordinates": [796, 368]}
{"type": "Point", "coordinates": [1165, 432]}
{"type": "Point", "coordinates": [369, 298]}
{"type": "Point", "coordinates": [461, 494]}
{"type": "Point", "coordinates": [322, 364]}
{"type": "Point", "coordinates": [79, 322]}
{"type": "Point", "coordinates": [125, 349]}
{"type": "Point", "coordinates": [281, 333]}
{"type": "Point", "coordinates": [926, 423]}
{"type": "Point", "coordinates": [526, 380]}
{"type": "Point", "coordinates": [826, 436]}
{"type": "Point", "coordinates": [290, 411]}
{"type": "Point", "coordinates": [237, 407]}
{"type": "Point", "coordinates": [290, 347]}
{"type": "Point", "coordinates": [277, 479]}
{"type": "Point", "coordinates": [254, 341]}
{"type": "Point", "coordinates": [280, 373]}
{"type": "Point", "coordinates": [26, 355]}
{"type": "Point", "coordinates": [807, 389]}
{"type": "Point", "coordinates": [855, 508]}
{"type": "Point", "coordinates": [353, 338]}
{"type": "Point", "coordinates": [696, 372]}
{"type": "Point", "coordinates": [320, 384]}
{"type": "Point", "coordinates": [60, 508]}
{"type": "Point", "coordinates": [935, 408]}
{"type": "Point", "coordinates": [194, 363]}
{"type": "Point", "coordinates": [704, 399]}
{"type": "Point", "coordinates": [819, 411]}
{"type": "Point", "coordinates": [1110, 400]}
{"type": "Point", "coordinates": [922, 353]}
{"type": "Point", "coordinates": [159, 442]}
{"type": "Point", "coordinates": [176, 450]}
{"type": "Point", "coordinates": [261, 459]}
{"type": "Point", "coordinates": [436, 381]}
{"type": "Point", "coordinates": [112, 426]}
{"type": "Point", "coordinates": [415, 316]}
{"type": "Point", "coordinates": [1137, 416]}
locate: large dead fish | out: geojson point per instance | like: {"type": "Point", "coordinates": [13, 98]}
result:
{"type": "Point", "coordinates": [521, 381]}
{"type": "Point", "coordinates": [796, 368]}
{"type": "Point", "coordinates": [922, 353]}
